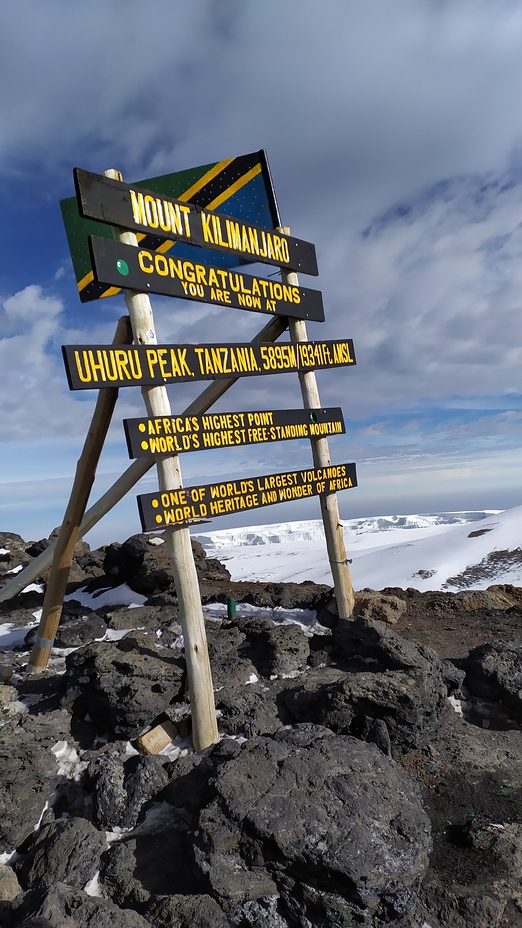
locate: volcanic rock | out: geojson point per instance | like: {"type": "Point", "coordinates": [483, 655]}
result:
{"type": "Point", "coordinates": [121, 789]}
{"type": "Point", "coordinates": [373, 605]}
{"type": "Point", "coordinates": [65, 907]}
{"type": "Point", "coordinates": [29, 777]}
{"type": "Point", "coordinates": [315, 821]}
{"type": "Point", "coordinates": [186, 912]}
{"type": "Point", "coordinates": [9, 885]}
{"type": "Point", "coordinates": [145, 865]}
{"type": "Point", "coordinates": [397, 710]}
{"type": "Point", "coordinates": [274, 649]}
{"type": "Point", "coordinates": [122, 686]}
{"type": "Point", "coordinates": [64, 851]}
{"type": "Point", "coordinates": [369, 640]}
{"type": "Point", "coordinates": [494, 671]}
{"type": "Point", "coordinates": [145, 566]}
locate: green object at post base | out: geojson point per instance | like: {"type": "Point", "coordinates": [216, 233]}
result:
{"type": "Point", "coordinates": [231, 608]}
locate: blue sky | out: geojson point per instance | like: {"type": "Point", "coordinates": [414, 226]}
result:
{"type": "Point", "coordinates": [394, 135]}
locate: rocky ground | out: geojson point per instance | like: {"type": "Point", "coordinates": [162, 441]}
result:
{"type": "Point", "coordinates": [368, 772]}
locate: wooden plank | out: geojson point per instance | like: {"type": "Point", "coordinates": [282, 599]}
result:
{"type": "Point", "coordinates": [153, 741]}
{"type": "Point", "coordinates": [91, 367]}
{"type": "Point", "coordinates": [190, 505]}
{"type": "Point", "coordinates": [146, 212]}
{"type": "Point", "coordinates": [121, 265]}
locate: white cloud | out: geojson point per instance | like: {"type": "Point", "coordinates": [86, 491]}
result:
{"type": "Point", "coordinates": [34, 399]}
{"type": "Point", "coordinates": [395, 118]}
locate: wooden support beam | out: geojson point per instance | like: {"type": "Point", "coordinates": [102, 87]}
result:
{"type": "Point", "coordinates": [333, 529]}
{"type": "Point", "coordinates": [64, 549]}
{"type": "Point", "coordinates": [157, 403]}
{"type": "Point", "coordinates": [210, 395]}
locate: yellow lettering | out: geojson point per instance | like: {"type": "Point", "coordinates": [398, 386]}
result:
{"type": "Point", "coordinates": [138, 208]}
{"type": "Point", "coordinates": [142, 255]}
{"type": "Point", "coordinates": [151, 211]}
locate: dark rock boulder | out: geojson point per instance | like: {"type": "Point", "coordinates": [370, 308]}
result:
{"type": "Point", "coordinates": [120, 789]}
{"type": "Point", "coordinates": [312, 823]}
{"type": "Point", "coordinates": [373, 643]}
{"type": "Point", "coordinates": [79, 625]}
{"type": "Point", "coordinates": [85, 563]}
{"type": "Point", "coordinates": [274, 649]}
{"type": "Point", "coordinates": [149, 618]}
{"type": "Point", "coordinates": [122, 686]}
{"type": "Point", "coordinates": [305, 595]}
{"type": "Point", "coordinates": [251, 710]}
{"type": "Point", "coordinates": [144, 564]}
{"type": "Point", "coordinates": [181, 911]}
{"type": "Point", "coordinates": [138, 868]}
{"type": "Point", "coordinates": [29, 777]}
{"type": "Point", "coordinates": [65, 907]}
{"type": "Point", "coordinates": [288, 595]}
{"type": "Point", "coordinates": [494, 671]}
{"type": "Point", "coordinates": [189, 788]}
{"type": "Point", "coordinates": [229, 660]}
{"type": "Point", "coordinates": [397, 710]}
{"type": "Point", "coordinates": [66, 851]}
{"type": "Point", "coordinates": [12, 555]}
{"type": "Point", "coordinates": [10, 540]}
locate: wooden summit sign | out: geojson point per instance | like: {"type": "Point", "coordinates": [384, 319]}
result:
{"type": "Point", "coordinates": [175, 434]}
{"type": "Point", "coordinates": [136, 268]}
{"type": "Point", "coordinates": [95, 366]}
{"type": "Point", "coordinates": [158, 236]}
{"type": "Point", "coordinates": [240, 186]}
{"type": "Point", "coordinates": [188, 505]}
{"type": "Point", "coordinates": [131, 207]}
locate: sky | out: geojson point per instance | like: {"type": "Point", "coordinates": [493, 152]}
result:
{"type": "Point", "coordinates": [394, 137]}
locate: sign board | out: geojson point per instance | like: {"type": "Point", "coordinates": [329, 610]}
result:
{"type": "Point", "coordinates": [95, 366]}
{"type": "Point", "coordinates": [144, 212]}
{"type": "Point", "coordinates": [189, 505]}
{"type": "Point", "coordinates": [241, 187]}
{"type": "Point", "coordinates": [175, 434]}
{"type": "Point", "coordinates": [138, 268]}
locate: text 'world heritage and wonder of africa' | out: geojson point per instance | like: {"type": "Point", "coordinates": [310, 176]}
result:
{"type": "Point", "coordinates": [188, 505]}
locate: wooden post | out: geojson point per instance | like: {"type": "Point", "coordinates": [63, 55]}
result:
{"type": "Point", "coordinates": [203, 710]}
{"type": "Point", "coordinates": [64, 550]}
{"type": "Point", "coordinates": [135, 471]}
{"type": "Point", "coordinates": [333, 529]}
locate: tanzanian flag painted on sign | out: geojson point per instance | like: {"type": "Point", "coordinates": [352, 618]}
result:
{"type": "Point", "coordinates": [240, 187]}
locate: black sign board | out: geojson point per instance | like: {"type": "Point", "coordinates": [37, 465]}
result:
{"type": "Point", "coordinates": [153, 272]}
{"type": "Point", "coordinates": [174, 434]}
{"type": "Point", "coordinates": [130, 207]}
{"type": "Point", "coordinates": [192, 504]}
{"type": "Point", "coordinates": [95, 366]}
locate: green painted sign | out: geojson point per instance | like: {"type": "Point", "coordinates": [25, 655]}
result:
{"type": "Point", "coordinates": [241, 187]}
{"type": "Point", "coordinates": [144, 212]}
